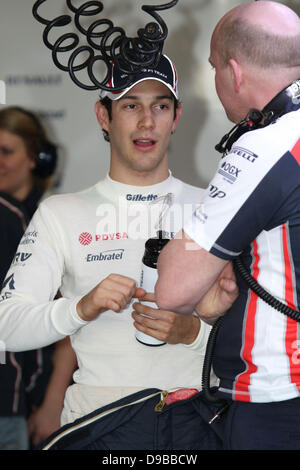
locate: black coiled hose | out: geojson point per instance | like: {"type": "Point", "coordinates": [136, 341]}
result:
{"type": "Point", "coordinates": [109, 46]}
{"type": "Point", "coordinates": [207, 364]}
{"type": "Point", "coordinates": [264, 295]}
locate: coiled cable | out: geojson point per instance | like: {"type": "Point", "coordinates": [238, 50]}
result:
{"type": "Point", "coordinates": [263, 294]}
{"type": "Point", "coordinates": [266, 297]}
{"type": "Point", "coordinates": [109, 46]}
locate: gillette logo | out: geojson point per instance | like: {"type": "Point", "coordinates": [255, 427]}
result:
{"type": "Point", "coordinates": [140, 197]}
{"type": "Point", "coordinates": [108, 255]}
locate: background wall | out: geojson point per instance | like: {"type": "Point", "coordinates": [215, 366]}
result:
{"type": "Point", "coordinates": [34, 82]}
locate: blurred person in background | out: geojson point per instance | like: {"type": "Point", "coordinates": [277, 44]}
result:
{"type": "Point", "coordinates": [27, 163]}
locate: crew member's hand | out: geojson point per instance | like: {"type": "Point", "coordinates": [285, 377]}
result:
{"type": "Point", "coordinates": [220, 297]}
{"type": "Point", "coordinates": [164, 325]}
{"type": "Point", "coordinates": [113, 293]}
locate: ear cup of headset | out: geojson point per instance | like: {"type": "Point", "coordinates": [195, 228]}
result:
{"type": "Point", "coordinates": [46, 160]}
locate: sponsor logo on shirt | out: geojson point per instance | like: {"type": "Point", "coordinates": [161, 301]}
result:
{"type": "Point", "coordinates": [215, 192]}
{"type": "Point", "coordinates": [110, 236]}
{"type": "Point", "coordinates": [108, 255]}
{"type": "Point", "coordinates": [29, 238]}
{"type": "Point", "coordinates": [229, 172]}
{"type": "Point", "coordinates": [5, 295]}
{"type": "Point", "coordinates": [20, 258]}
{"type": "Point", "coordinates": [85, 238]}
{"type": "Point", "coordinates": [244, 153]}
{"type": "Point", "coordinates": [9, 283]}
{"type": "Point", "coordinates": [141, 197]}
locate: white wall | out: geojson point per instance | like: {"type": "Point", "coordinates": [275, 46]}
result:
{"type": "Point", "coordinates": [34, 82]}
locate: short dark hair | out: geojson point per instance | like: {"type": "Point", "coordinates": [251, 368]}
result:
{"type": "Point", "coordinates": [107, 103]}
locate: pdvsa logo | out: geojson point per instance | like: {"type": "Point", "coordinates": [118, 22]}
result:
{"type": "Point", "coordinates": [85, 238]}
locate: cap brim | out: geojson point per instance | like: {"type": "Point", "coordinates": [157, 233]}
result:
{"type": "Point", "coordinates": [116, 96]}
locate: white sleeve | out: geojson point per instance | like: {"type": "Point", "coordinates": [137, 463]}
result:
{"type": "Point", "coordinates": [199, 344]}
{"type": "Point", "coordinates": [29, 317]}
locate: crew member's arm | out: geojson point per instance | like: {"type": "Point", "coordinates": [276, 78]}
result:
{"type": "Point", "coordinates": [172, 328]}
{"type": "Point", "coordinates": [181, 293]}
{"type": "Point", "coordinates": [233, 214]}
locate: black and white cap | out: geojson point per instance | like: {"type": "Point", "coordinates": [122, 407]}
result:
{"type": "Point", "coordinates": [165, 72]}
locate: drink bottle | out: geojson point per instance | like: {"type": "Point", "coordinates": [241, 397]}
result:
{"type": "Point", "coordinates": [153, 247]}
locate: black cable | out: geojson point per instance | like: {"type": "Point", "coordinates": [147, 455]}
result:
{"type": "Point", "coordinates": [110, 45]}
{"type": "Point", "coordinates": [266, 297]}
{"type": "Point", "coordinates": [263, 294]}
{"type": "Point", "coordinates": [207, 364]}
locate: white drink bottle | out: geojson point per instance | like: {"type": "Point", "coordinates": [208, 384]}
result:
{"type": "Point", "coordinates": [153, 247]}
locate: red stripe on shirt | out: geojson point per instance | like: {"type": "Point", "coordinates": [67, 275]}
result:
{"type": "Point", "coordinates": [241, 389]}
{"type": "Point", "coordinates": [291, 334]}
{"type": "Point", "coordinates": [296, 151]}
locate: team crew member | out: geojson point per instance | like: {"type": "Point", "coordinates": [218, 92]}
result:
{"type": "Point", "coordinates": [89, 245]}
{"type": "Point", "coordinates": [251, 207]}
